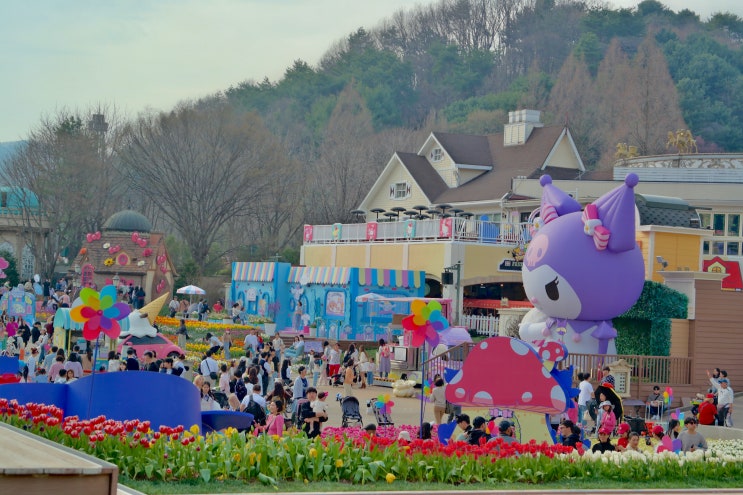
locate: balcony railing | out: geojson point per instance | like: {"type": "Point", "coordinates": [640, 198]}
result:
{"type": "Point", "coordinates": [650, 369]}
{"type": "Point", "coordinates": [459, 229]}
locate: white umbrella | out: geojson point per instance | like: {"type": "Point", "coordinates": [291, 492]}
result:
{"type": "Point", "coordinates": [191, 290]}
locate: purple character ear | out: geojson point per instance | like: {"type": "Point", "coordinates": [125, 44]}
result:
{"type": "Point", "coordinates": [616, 210]}
{"type": "Point", "coordinates": [555, 202]}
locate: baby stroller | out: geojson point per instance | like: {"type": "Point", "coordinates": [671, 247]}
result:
{"type": "Point", "coordinates": [383, 418]}
{"type": "Point", "coordinates": [350, 411]}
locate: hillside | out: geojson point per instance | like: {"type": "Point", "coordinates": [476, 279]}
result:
{"type": "Point", "coordinates": [626, 75]}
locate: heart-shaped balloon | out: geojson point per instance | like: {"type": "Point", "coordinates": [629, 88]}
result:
{"type": "Point", "coordinates": [147, 253]}
{"type": "Point", "coordinates": [142, 242]}
{"type": "Point", "coordinates": [164, 268]}
{"type": "Point", "coordinates": [161, 259]}
{"type": "Point", "coordinates": [89, 237]}
{"type": "Point", "coordinates": [135, 236]}
{"type": "Point", "coordinates": [97, 235]}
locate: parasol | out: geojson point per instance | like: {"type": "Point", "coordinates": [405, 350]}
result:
{"type": "Point", "coordinates": [191, 290]}
{"type": "Point", "coordinates": [612, 397]}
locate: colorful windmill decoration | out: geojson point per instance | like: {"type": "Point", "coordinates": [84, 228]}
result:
{"type": "Point", "coordinates": [425, 323]}
{"type": "Point", "coordinates": [667, 396]}
{"type": "Point", "coordinates": [384, 404]}
{"type": "Point", "coordinates": [99, 312]}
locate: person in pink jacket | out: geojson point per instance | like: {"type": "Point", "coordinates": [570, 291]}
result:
{"type": "Point", "coordinates": [275, 421]}
{"type": "Point", "coordinates": [608, 418]}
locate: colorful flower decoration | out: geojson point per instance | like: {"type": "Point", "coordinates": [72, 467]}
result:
{"type": "Point", "coordinates": [140, 263]}
{"type": "Point", "coordinates": [384, 404]}
{"type": "Point", "coordinates": [425, 323]}
{"type": "Point", "coordinates": [122, 259]}
{"type": "Point", "coordinates": [106, 245]}
{"type": "Point", "coordinates": [108, 262]}
{"type": "Point", "coordinates": [3, 265]}
{"type": "Point", "coordinates": [99, 312]}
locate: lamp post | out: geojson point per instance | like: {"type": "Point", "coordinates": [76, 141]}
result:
{"type": "Point", "coordinates": [116, 281]}
{"type": "Point", "coordinates": [447, 278]}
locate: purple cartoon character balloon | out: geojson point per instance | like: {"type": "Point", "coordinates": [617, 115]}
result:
{"type": "Point", "coordinates": [582, 268]}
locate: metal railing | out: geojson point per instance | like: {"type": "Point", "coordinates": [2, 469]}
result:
{"type": "Point", "coordinates": [462, 229]}
{"type": "Point", "coordinates": [650, 369]}
{"type": "Point", "coordinates": [482, 325]}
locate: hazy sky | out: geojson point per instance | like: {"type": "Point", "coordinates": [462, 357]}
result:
{"type": "Point", "coordinates": [153, 53]}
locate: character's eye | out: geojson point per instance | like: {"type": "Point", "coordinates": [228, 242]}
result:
{"type": "Point", "coordinates": [552, 290]}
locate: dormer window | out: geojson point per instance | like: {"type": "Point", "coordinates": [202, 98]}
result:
{"type": "Point", "coordinates": [437, 154]}
{"type": "Point", "coordinates": [399, 190]}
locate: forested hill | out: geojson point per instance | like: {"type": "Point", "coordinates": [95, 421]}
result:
{"type": "Point", "coordinates": [626, 75]}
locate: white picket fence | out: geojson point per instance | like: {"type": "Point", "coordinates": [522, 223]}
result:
{"type": "Point", "coordinates": [482, 325]}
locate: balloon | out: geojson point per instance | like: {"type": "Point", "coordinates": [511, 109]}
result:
{"type": "Point", "coordinates": [142, 242]}
{"type": "Point", "coordinates": [89, 237]}
{"type": "Point", "coordinates": [135, 236]}
{"type": "Point", "coordinates": [147, 253]}
{"type": "Point", "coordinates": [97, 235]}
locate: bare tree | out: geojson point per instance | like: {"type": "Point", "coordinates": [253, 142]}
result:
{"type": "Point", "coordinates": [64, 181]}
{"type": "Point", "coordinates": [202, 168]}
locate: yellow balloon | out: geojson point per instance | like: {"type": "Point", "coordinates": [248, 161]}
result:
{"type": "Point", "coordinates": [417, 306]}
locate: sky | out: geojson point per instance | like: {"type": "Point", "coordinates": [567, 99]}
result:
{"type": "Point", "coordinates": [151, 54]}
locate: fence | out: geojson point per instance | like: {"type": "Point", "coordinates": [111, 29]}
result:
{"type": "Point", "coordinates": [649, 369]}
{"type": "Point", "coordinates": [482, 325]}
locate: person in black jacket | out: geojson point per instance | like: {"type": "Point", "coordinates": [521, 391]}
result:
{"type": "Point", "coordinates": [570, 437]}
{"type": "Point", "coordinates": [604, 444]}
{"type": "Point", "coordinates": [479, 433]}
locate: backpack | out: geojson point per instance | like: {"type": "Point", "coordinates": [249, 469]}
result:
{"type": "Point", "coordinates": [241, 390]}
{"type": "Point", "coordinates": [259, 415]}
{"type": "Point", "coordinates": [384, 351]}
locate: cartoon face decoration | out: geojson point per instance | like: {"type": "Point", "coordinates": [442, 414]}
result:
{"type": "Point", "coordinates": [584, 265]}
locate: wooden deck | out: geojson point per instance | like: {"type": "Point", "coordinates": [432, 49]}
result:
{"type": "Point", "coordinates": [32, 465]}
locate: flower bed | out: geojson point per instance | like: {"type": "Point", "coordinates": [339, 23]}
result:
{"type": "Point", "coordinates": [177, 453]}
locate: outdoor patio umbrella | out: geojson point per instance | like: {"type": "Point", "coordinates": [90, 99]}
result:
{"type": "Point", "coordinates": [191, 290]}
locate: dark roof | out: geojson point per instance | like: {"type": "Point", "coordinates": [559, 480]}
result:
{"type": "Point", "coordinates": [128, 221]}
{"type": "Point", "coordinates": [423, 173]}
{"type": "Point", "coordinates": [508, 162]}
{"type": "Point", "coordinates": [466, 149]}
{"type": "Point", "coordinates": [662, 210]}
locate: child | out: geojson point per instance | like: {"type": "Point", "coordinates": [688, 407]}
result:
{"type": "Point", "coordinates": [316, 366]}
{"type": "Point", "coordinates": [370, 368]}
{"type": "Point", "coordinates": [623, 432]}
{"type": "Point", "coordinates": [320, 408]}
{"type": "Point", "coordinates": [608, 418]}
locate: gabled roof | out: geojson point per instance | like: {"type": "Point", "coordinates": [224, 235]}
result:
{"type": "Point", "coordinates": [508, 162]}
{"type": "Point", "coordinates": [429, 181]}
{"type": "Point", "coordinates": [465, 149]}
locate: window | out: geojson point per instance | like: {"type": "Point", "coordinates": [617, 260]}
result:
{"type": "Point", "coordinates": [436, 155]}
{"type": "Point", "coordinates": [733, 249]}
{"type": "Point", "coordinates": [399, 190]}
{"type": "Point", "coordinates": [718, 223]}
{"type": "Point", "coordinates": [718, 248]}
{"type": "Point", "coordinates": [705, 247]}
{"type": "Point", "coordinates": [733, 225]}
{"type": "Point", "coordinates": [704, 220]}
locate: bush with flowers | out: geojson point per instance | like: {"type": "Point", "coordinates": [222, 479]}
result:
{"type": "Point", "coordinates": [179, 454]}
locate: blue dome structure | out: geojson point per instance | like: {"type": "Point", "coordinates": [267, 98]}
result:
{"type": "Point", "coordinates": [128, 221]}
{"type": "Point", "coordinates": [15, 198]}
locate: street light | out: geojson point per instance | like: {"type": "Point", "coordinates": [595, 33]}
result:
{"type": "Point", "coordinates": [447, 278]}
{"type": "Point", "coordinates": [116, 280]}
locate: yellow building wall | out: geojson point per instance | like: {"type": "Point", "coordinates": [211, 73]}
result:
{"type": "Point", "coordinates": [481, 265]}
{"type": "Point", "coordinates": [381, 197]}
{"type": "Point", "coordinates": [427, 257]}
{"type": "Point", "coordinates": [317, 255]}
{"type": "Point", "coordinates": [643, 240]}
{"type": "Point", "coordinates": [350, 255]}
{"type": "Point", "coordinates": [386, 256]}
{"type": "Point", "coordinates": [564, 156]}
{"type": "Point", "coordinates": [681, 252]}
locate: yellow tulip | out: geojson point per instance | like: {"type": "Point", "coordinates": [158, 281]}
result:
{"type": "Point", "coordinates": [194, 429]}
{"type": "Point", "coordinates": [236, 457]}
{"type": "Point", "coordinates": [339, 463]}
{"type": "Point", "coordinates": [390, 477]}
{"type": "Point", "coordinates": [313, 452]}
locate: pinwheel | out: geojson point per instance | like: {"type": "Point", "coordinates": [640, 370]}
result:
{"type": "Point", "coordinates": [425, 323]}
{"type": "Point", "coordinates": [384, 404]}
{"type": "Point", "coordinates": [667, 396]}
{"type": "Point", "coordinates": [99, 312]}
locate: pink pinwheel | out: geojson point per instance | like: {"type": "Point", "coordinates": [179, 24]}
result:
{"type": "Point", "coordinates": [425, 323]}
{"type": "Point", "coordinates": [99, 312]}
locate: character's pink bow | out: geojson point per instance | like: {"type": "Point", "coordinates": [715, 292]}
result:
{"type": "Point", "coordinates": [592, 226]}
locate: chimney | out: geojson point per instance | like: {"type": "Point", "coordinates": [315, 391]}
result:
{"type": "Point", "coordinates": [519, 127]}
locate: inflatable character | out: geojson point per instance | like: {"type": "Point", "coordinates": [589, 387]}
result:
{"type": "Point", "coordinates": [582, 268]}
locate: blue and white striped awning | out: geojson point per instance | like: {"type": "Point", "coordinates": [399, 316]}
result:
{"type": "Point", "coordinates": [253, 271]}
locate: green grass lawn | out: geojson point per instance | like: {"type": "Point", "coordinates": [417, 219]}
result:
{"type": "Point", "coordinates": [158, 488]}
